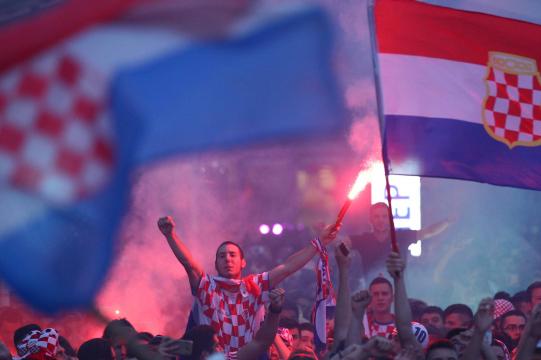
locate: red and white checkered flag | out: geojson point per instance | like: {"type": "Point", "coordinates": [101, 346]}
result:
{"type": "Point", "coordinates": [55, 135]}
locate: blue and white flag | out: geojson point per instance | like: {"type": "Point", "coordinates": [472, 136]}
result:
{"type": "Point", "coordinates": [78, 118]}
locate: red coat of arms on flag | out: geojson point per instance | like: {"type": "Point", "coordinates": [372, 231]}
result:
{"type": "Point", "coordinates": [512, 107]}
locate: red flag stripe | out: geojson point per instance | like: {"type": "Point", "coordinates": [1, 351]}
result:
{"type": "Point", "coordinates": [413, 28]}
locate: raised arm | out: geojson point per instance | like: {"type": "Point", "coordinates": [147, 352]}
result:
{"type": "Point", "coordinates": [359, 303]}
{"type": "Point", "coordinates": [433, 230]}
{"type": "Point", "coordinates": [482, 323]}
{"type": "Point", "coordinates": [396, 268]}
{"type": "Point", "coordinates": [531, 335]}
{"type": "Point", "coordinates": [296, 261]}
{"type": "Point", "coordinates": [343, 300]}
{"type": "Point", "coordinates": [181, 251]}
{"type": "Point", "coordinates": [264, 337]}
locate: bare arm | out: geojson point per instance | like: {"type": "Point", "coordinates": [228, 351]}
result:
{"type": "Point", "coordinates": [181, 251]}
{"type": "Point", "coordinates": [433, 230]}
{"type": "Point", "coordinates": [343, 300]}
{"type": "Point", "coordinates": [296, 261]}
{"type": "Point", "coordinates": [264, 337]}
{"type": "Point", "coordinates": [531, 335]}
{"type": "Point", "coordinates": [396, 268]}
{"type": "Point", "coordinates": [359, 303]}
{"type": "Point", "coordinates": [483, 322]}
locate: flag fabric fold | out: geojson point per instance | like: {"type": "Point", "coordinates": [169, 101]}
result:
{"type": "Point", "coordinates": [76, 120]}
{"type": "Point", "coordinates": [460, 93]}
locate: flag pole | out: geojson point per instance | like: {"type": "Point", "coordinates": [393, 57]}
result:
{"type": "Point", "coordinates": [381, 118]}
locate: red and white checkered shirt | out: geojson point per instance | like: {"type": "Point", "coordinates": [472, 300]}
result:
{"type": "Point", "coordinates": [39, 345]}
{"type": "Point", "coordinates": [373, 328]}
{"type": "Point", "coordinates": [233, 307]}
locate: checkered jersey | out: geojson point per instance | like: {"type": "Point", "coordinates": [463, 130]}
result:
{"type": "Point", "coordinates": [55, 135]}
{"type": "Point", "coordinates": [39, 345]}
{"type": "Point", "coordinates": [513, 106]}
{"type": "Point", "coordinates": [373, 328]}
{"type": "Point", "coordinates": [233, 307]}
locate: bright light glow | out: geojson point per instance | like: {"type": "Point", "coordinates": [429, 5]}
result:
{"type": "Point", "coordinates": [364, 177]}
{"type": "Point", "coordinates": [406, 198]}
{"type": "Point", "coordinates": [264, 229]}
{"type": "Point", "coordinates": [416, 249]}
{"type": "Point", "coordinates": [117, 312]}
{"type": "Point", "coordinates": [277, 229]}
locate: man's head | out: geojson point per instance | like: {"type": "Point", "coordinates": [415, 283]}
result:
{"type": "Point", "coordinates": [20, 334]}
{"type": "Point", "coordinates": [379, 217]}
{"type": "Point", "coordinates": [230, 260]}
{"type": "Point", "coordinates": [95, 349]}
{"type": "Point", "coordinates": [457, 316]}
{"type": "Point", "coordinates": [381, 292]}
{"type": "Point", "coordinates": [521, 301]}
{"type": "Point", "coordinates": [205, 342]}
{"type": "Point", "coordinates": [441, 350]}
{"type": "Point", "coordinates": [534, 293]}
{"type": "Point", "coordinates": [432, 315]}
{"type": "Point", "coordinates": [513, 323]}
{"type": "Point", "coordinates": [306, 336]}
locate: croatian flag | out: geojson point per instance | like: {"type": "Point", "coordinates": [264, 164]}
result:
{"type": "Point", "coordinates": [460, 93]}
{"type": "Point", "coordinates": [79, 117]}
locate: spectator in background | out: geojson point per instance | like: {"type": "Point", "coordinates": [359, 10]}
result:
{"type": "Point", "coordinates": [95, 349]}
{"type": "Point", "coordinates": [534, 293]}
{"type": "Point", "coordinates": [512, 324]}
{"type": "Point", "coordinates": [457, 316]}
{"type": "Point", "coordinates": [521, 301]}
{"type": "Point", "coordinates": [432, 316]}
{"type": "Point", "coordinates": [380, 318]}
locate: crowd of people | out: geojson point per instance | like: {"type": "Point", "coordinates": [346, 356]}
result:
{"type": "Point", "coordinates": [236, 316]}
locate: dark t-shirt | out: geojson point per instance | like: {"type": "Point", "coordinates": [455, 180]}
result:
{"type": "Point", "coordinates": [373, 253]}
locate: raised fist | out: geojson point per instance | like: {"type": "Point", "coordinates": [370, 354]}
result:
{"type": "Point", "coordinates": [276, 297]}
{"type": "Point", "coordinates": [166, 225]}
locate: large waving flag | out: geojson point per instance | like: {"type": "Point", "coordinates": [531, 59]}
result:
{"type": "Point", "coordinates": [460, 93]}
{"type": "Point", "coordinates": [76, 119]}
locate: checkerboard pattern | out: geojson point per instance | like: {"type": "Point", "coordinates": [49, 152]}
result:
{"type": "Point", "coordinates": [55, 135]}
{"type": "Point", "coordinates": [513, 106]}
{"type": "Point", "coordinates": [231, 307]}
{"type": "Point", "coordinates": [39, 345]}
{"type": "Point", "coordinates": [377, 329]}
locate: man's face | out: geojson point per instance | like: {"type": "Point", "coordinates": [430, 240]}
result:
{"type": "Point", "coordinates": [536, 297]}
{"type": "Point", "coordinates": [442, 354]}
{"type": "Point", "coordinates": [379, 219]}
{"type": "Point", "coordinates": [229, 262]}
{"type": "Point", "coordinates": [306, 339]}
{"type": "Point", "coordinates": [525, 307]}
{"type": "Point", "coordinates": [382, 298]}
{"type": "Point", "coordinates": [296, 336]}
{"type": "Point", "coordinates": [514, 326]}
{"type": "Point", "coordinates": [432, 318]}
{"type": "Point", "coordinates": [457, 320]}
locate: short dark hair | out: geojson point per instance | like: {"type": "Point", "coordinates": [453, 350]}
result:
{"type": "Point", "coordinates": [380, 280]}
{"type": "Point", "coordinates": [20, 333]}
{"type": "Point", "coordinates": [288, 323]}
{"type": "Point", "coordinates": [202, 337]}
{"type": "Point", "coordinates": [230, 243]}
{"type": "Point", "coordinates": [511, 313]}
{"type": "Point", "coordinates": [440, 344]}
{"type": "Point", "coordinates": [520, 297]}
{"type": "Point", "coordinates": [531, 288]}
{"type": "Point", "coordinates": [502, 295]}
{"type": "Point", "coordinates": [95, 349]}
{"type": "Point", "coordinates": [433, 309]}
{"type": "Point", "coordinates": [306, 327]}
{"type": "Point", "coordinates": [107, 332]}
{"type": "Point", "coordinates": [458, 309]}
{"type": "Point", "coordinates": [378, 205]}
